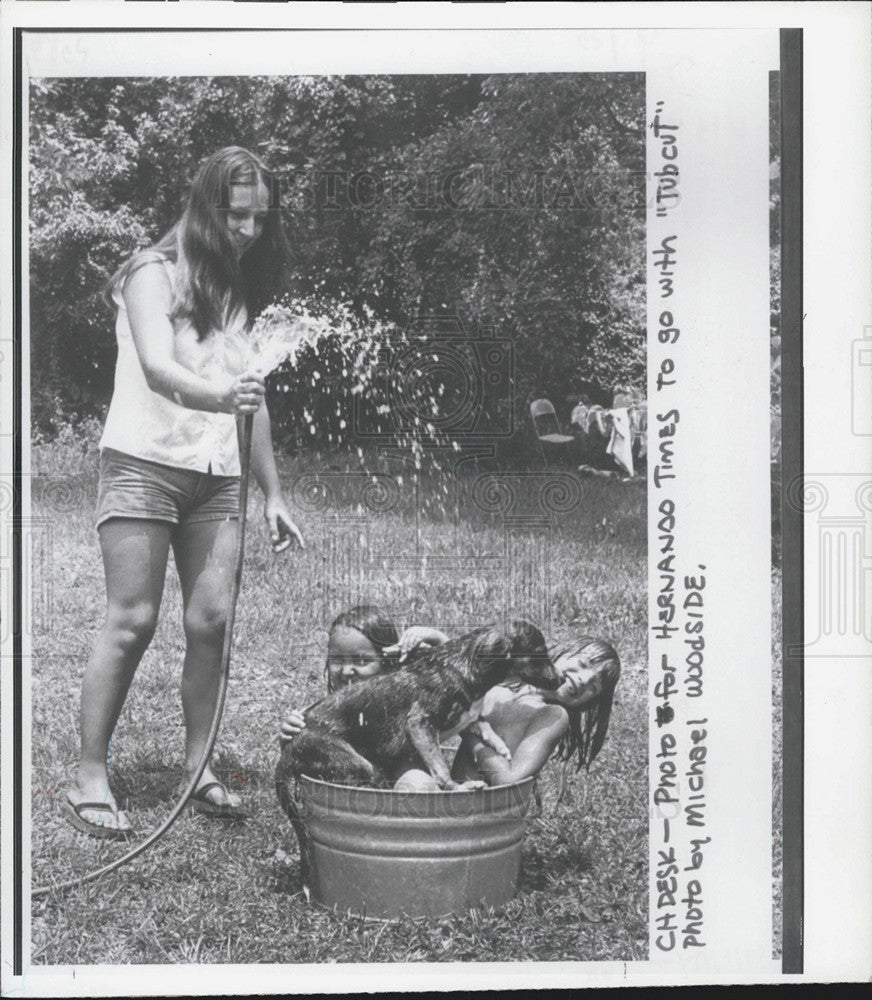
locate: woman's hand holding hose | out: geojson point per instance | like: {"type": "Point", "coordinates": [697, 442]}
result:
{"type": "Point", "coordinates": [244, 395]}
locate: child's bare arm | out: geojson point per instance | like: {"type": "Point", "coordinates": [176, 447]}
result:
{"type": "Point", "coordinates": [491, 766]}
{"type": "Point", "coordinates": [413, 638]}
{"type": "Point", "coordinates": [484, 732]}
{"type": "Point", "coordinates": [541, 736]}
{"type": "Point", "coordinates": [538, 743]}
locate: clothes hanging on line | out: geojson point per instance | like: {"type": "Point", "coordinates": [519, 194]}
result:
{"type": "Point", "coordinates": [620, 445]}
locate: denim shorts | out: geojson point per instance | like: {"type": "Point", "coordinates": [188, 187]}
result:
{"type": "Point", "coordinates": [134, 487]}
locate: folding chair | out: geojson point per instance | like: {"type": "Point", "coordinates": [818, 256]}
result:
{"type": "Point", "coordinates": [551, 440]}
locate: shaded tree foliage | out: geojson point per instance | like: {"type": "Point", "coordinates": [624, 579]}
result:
{"type": "Point", "coordinates": [512, 202]}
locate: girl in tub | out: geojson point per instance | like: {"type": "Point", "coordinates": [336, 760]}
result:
{"type": "Point", "coordinates": [524, 724]}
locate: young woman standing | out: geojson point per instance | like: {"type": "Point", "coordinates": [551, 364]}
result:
{"type": "Point", "coordinates": [169, 467]}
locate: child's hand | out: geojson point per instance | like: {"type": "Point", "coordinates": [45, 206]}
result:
{"type": "Point", "coordinates": [489, 738]}
{"type": "Point", "coordinates": [293, 725]}
{"type": "Point", "coordinates": [413, 638]}
{"type": "Point", "coordinates": [465, 786]}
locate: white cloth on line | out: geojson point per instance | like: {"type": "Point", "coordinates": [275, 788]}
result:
{"type": "Point", "coordinates": [620, 445]}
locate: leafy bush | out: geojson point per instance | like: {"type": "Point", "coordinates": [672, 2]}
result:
{"type": "Point", "coordinates": [72, 338]}
{"type": "Point", "coordinates": [558, 267]}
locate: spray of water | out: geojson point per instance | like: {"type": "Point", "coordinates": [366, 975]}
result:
{"type": "Point", "coordinates": [341, 356]}
{"type": "Point", "coordinates": [279, 333]}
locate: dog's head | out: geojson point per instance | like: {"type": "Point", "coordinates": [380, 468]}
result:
{"type": "Point", "coordinates": [520, 649]}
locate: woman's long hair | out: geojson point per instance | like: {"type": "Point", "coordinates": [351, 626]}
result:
{"type": "Point", "coordinates": [211, 283]}
{"type": "Point", "coordinates": [375, 626]}
{"type": "Point", "coordinates": [589, 724]}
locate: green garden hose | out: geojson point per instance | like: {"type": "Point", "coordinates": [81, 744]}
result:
{"type": "Point", "coordinates": [153, 837]}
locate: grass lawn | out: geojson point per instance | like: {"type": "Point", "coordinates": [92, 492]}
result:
{"type": "Point", "coordinates": [209, 892]}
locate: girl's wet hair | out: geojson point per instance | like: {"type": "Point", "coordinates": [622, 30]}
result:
{"type": "Point", "coordinates": [589, 724]}
{"type": "Point", "coordinates": [374, 625]}
{"type": "Point", "coordinates": [211, 283]}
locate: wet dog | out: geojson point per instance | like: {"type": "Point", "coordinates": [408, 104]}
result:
{"type": "Point", "coordinates": [369, 733]}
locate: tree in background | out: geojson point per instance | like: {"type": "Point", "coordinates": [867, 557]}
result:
{"type": "Point", "coordinates": [512, 202]}
{"type": "Point", "coordinates": [539, 233]}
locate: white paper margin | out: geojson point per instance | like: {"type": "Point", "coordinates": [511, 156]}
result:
{"type": "Point", "coordinates": [838, 306]}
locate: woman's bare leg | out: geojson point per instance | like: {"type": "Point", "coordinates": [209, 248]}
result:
{"type": "Point", "coordinates": [134, 560]}
{"type": "Point", "coordinates": [204, 553]}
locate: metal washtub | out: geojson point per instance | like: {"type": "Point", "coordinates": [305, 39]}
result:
{"type": "Point", "coordinates": [383, 853]}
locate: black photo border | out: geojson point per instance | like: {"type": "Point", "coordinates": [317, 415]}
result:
{"type": "Point", "coordinates": [792, 583]}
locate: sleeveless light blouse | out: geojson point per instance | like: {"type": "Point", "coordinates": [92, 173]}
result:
{"type": "Point", "coordinates": [147, 425]}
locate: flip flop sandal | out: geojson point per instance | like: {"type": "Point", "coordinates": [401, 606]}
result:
{"type": "Point", "coordinates": [72, 811]}
{"type": "Point", "coordinates": [201, 804]}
